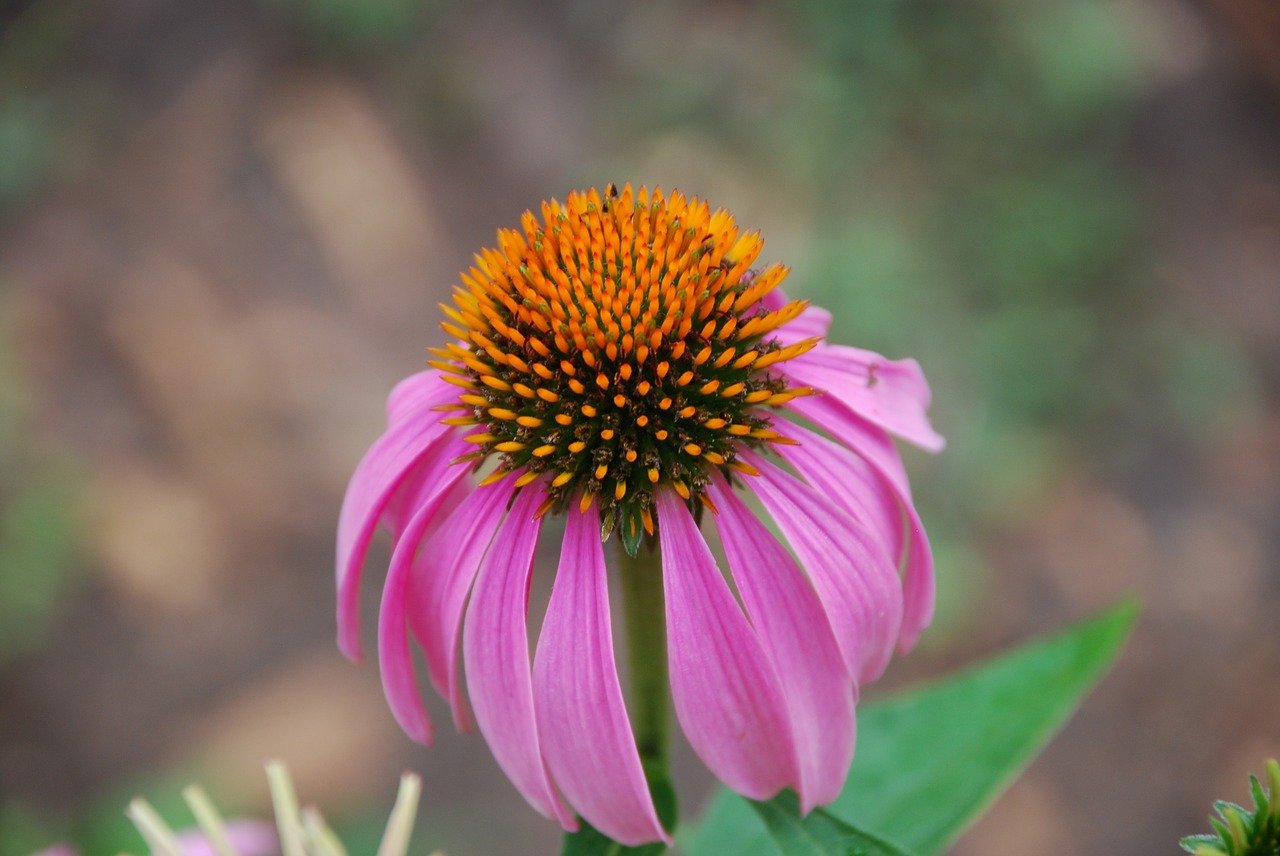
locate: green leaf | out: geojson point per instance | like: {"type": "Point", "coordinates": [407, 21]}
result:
{"type": "Point", "coordinates": [588, 841]}
{"type": "Point", "coordinates": [818, 834]}
{"type": "Point", "coordinates": [931, 760]}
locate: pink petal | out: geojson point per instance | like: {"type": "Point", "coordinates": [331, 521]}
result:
{"type": "Point", "coordinates": [870, 496]}
{"type": "Point", "coordinates": [380, 472]}
{"type": "Point", "coordinates": [249, 837]}
{"type": "Point", "coordinates": [421, 481]}
{"type": "Point", "coordinates": [871, 442]}
{"type": "Point", "coordinates": [726, 695]}
{"type": "Point", "coordinates": [849, 567]}
{"type": "Point", "coordinates": [395, 658]}
{"type": "Point", "coordinates": [418, 393]}
{"type": "Point", "coordinates": [890, 393]}
{"type": "Point", "coordinates": [586, 734]}
{"type": "Point", "coordinates": [495, 646]}
{"type": "Point", "coordinates": [797, 639]}
{"type": "Point", "coordinates": [59, 849]}
{"type": "Point", "coordinates": [441, 581]}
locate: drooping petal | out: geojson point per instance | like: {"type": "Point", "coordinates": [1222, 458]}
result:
{"type": "Point", "coordinates": [860, 487]}
{"type": "Point", "coordinates": [443, 572]}
{"type": "Point", "coordinates": [379, 474]}
{"type": "Point", "coordinates": [421, 481]}
{"type": "Point", "coordinates": [394, 655]}
{"type": "Point", "coordinates": [890, 393]}
{"type": "Point", "coordinates": [419, 394]}
{"type": "Point", "coordinates": [495, 647]}
{"type": "Point", "coordinates": [871, 442]}
{"type": "Point", "coordinates": [849, 567]}
{"type": "Point", "coordinates": [726, 695]}
{"type": "Point", "coordinates": [582, 719]}
{"type": "Point", "coordinates": [789, 619]}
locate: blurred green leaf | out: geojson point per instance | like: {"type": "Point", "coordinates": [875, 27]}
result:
{"type": "Point", "coordinates": [931, 760]}
{"type": "Point", "coordinates": [818, 834]}
{"type": "Point", "coordinates": [587, 841]}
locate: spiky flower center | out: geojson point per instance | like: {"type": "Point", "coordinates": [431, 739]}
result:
{"type": "Point", "coordinates": [618, 346]}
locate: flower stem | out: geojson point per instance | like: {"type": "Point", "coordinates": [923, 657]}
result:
{"type": "Point", "coordinates": [647, 654]}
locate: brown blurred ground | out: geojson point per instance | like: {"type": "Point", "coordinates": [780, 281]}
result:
{"type": "Point", "coordinates": [211, 308]}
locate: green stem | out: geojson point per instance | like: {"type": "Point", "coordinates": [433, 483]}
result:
{"type": "Point", "coordinates": [647, 654]}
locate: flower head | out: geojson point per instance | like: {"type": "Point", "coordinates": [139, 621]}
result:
{"type": "Point", "coordinates": [619, 348]}
{"type": "Point", "coordinates": [622, 362]}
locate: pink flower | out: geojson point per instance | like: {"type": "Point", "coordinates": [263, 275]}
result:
{"type": "Point", "coordinates": [623, 365]}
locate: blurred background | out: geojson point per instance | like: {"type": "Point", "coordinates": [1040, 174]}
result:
{"type": "Point", "coordinates": [225, 226]}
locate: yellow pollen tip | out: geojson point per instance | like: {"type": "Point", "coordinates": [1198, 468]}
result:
{"type": "Point", "coordinates": [620, 491]}
{"type": "Point", "coordinates": [526, 479]}
{"type": "Point", "coordinates": [682, 489]}
{"type": "Point", "coordinates": [529, 421]}
{"type": "Point", "coordinates": [693, 449]}
{"type": "Point", "coordinates": [494, 477]}
{"type": "Point", "coordinates": [653, 476]}
{"type": "Point", "coordinates": [509, 446]}
{"type": "Point", "coordinates": [543, 451]}
{"type": "Point", "coordinates": [562, 479]}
